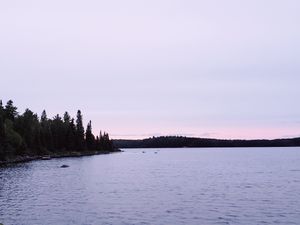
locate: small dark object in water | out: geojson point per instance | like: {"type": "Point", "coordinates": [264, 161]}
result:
{"type": "Point", "coordinates": [144, 152]}
{"type": "Point", "coordinates": [155, 152]}
{"type": "Point", "coordinates": [64, 166]}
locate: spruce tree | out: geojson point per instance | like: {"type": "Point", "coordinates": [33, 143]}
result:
{"type": "Point", "coordinates": [44, 117]}
{"type": "Point", "coordinates": [10, 110]}
{"type": "Point", "coordinates": [46, 132]}
{"type": "Point", "coordinates": [90, 139]}
{"type": "Point", "coordinates": [57, 127]}
{"type": "Point", "coordinates": [1, 107]}
{"type": "Point", "coordinates": [68, 132]}
{"type": "Point", "coordinates": [67, 118]}
{"type": "Point", "coordinates": [2, 134]}
{"type": "Point", "coordinates": [72, 136]}
{"type": "Point", "coordinates": [79, 131]}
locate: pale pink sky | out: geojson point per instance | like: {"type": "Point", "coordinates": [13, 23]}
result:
{"type": "Point", "coordinates": [213, 68]}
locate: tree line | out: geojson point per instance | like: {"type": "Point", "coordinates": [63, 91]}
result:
{"type": "Point", "coordinates": [180, 142]}
{"type": "Point", "coordinates": [29, 134]}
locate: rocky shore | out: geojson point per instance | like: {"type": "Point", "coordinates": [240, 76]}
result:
{"type": "Point", "coordinates": [27, 158]}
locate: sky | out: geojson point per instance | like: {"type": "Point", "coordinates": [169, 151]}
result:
{"type": "Point", "coordinates": [210, 68]}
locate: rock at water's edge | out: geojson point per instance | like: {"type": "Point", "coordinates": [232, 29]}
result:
{"type": "Point", "coordinates": [64, 166]}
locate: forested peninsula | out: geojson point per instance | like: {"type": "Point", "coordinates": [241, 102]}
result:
{"type": "Point", "coordinates": [27, 136]}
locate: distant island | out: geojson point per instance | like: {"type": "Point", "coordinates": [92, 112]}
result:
{"type": "Point", "coordinates": [27, 136]}
{"type": "Point", "coordinates": [181, 142]}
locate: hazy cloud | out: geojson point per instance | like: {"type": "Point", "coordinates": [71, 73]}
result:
{"type": "Point", "coordinates": [224, 68]}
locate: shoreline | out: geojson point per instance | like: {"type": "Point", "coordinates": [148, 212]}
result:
{"type": "Point", "coordinates": [28, 158]}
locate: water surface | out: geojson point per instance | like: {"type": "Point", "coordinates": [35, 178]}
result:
{"type": "Point", "coordinates": [160, 186]}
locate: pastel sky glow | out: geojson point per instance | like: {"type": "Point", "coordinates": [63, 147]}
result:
{"type": "Point", "coordinates": [213, 68]}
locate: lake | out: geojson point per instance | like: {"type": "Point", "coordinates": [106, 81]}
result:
{"type": "Point", "coordinates": [157, 187]}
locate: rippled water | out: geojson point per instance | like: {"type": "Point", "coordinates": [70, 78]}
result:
{"type": "Point", "coordinates": [174, 186]}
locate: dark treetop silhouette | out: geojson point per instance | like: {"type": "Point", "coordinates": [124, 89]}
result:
{"type": "Point", "coordinates": [180, 142]}
{"type": "Point", "coordinates": [29, 135]}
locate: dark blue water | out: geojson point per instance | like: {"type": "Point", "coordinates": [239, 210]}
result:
{"type": "Point", "coordinates": [174, 186]}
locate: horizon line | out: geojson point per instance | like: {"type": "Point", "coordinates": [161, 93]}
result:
{"type": "Point", "coordinates": [211, 138]}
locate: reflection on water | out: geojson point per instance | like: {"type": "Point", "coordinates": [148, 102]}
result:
{"type": "Point", "coordinates": [171, 186]}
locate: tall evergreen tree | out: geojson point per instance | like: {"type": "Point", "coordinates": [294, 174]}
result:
{"type": "Point", "coordinates": [57, 127]}
{"type": "Point", "coordinates": [46, 132]}
{"type": "Point", "coordinates": [107, 143]}
{"type": "Point", "coordinates": [44, 117]}
{"type": "Point", "coordinates": [2, 130]}
{"type": "Point", "coordinates": [79, 131]}
{"type": "Point", "coordinates": [90, 139]}
{"type": "Point", "coordinates": [28, 126]}
{"type": "Point", "coordinates": [1, 107]}
{"type": "Point", "coordinates": [10, 110]}
{"type": "Point", "coordinates": [71, 139]}
{"type": "Point", "coordinates": [67, 118]}
{"type": "Point", "coordinates": [69, 133]}
{"type": "Point", "coordinates": [2, 134]}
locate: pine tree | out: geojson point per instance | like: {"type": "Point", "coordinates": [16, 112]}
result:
{"type": "Point", "coordinates": [107, 143]}
{"type": "Point", "coordinates": [10, 110]}
{"type": "Point", "coordinates": [101, 141]}
{"type": "Point", "coordinates": [46, 132]}
{"type": "Point", "coordinates": [71, 136]}
{"type": "Point", "coordinates": [1, 107]}
{"type": "Point", "coordinates": [57, 127]}
{"type": "Point", "coordinates": [79, 132]}
{"type": "Point", "coordinates": [29, 128]}
{"type": "Point", "coordinates": [97, 144]}
{"type": "Point", "coordinates": [2, 134]}
{"type": "Point", "coordinates": [44, 117]}
{"type": "Point", "coordinates": [90, 139]}
{"type": "Point", "coordinates": [69, 132]}
{"type": "Point", "coordinates": [67, 118]}
{"type": "Point", "coordinates": [2, 130]}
